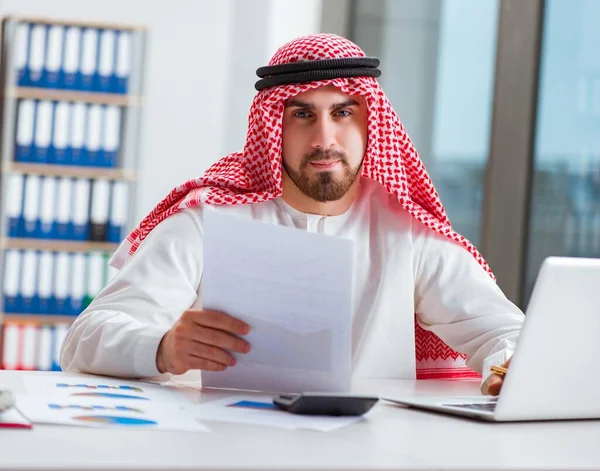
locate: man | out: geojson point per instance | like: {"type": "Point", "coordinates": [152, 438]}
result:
{"type": "Point", "coordinates": [325, 152]}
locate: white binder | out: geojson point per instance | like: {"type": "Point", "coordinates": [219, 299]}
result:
{"type": "Point", "coordinates": [71, 58]}
{"type": "Point", "coordinates": [36, 55]}
{"type": "Point", "coordinates": [45, 352]}
{"type": "Point", "coordinates": [31, 209]}
{"type": "Point", "coordinates": [54, 55]}
{"type": "Point", "coordinates": [63, 208]}
{"type": "Point", "coordinates": [48, 208]}
{"type": "Point", "coordinates": [43, 131]}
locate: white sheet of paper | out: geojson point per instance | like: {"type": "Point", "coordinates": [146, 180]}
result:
{"type": "Point", "coordinates": [12, 418]}
{"type": "Point", "coordinates": [294, 288]}
{"type": "Point", "coordinates": [102, 389]}
{"type": "Point", "coordinates": [103, 412]}
{"type": "Point", "coordinates": [259, 410]}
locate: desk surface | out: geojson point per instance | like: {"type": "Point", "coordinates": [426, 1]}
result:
{"type": "Point", "coordinates": [394, 438]}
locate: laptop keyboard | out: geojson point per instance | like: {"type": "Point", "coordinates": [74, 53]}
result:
{"type": "Point", "coordinates": [482, 406]}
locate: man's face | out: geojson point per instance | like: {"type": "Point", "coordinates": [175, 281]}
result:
{"type": "Point", "coordinates": [324, 141]}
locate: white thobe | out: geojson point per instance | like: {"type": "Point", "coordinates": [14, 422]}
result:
{"type": "Point", "coordinates": [400, 268]}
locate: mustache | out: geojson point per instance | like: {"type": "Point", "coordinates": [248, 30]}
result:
{"type": "Point", "coordinates": [325, 154]}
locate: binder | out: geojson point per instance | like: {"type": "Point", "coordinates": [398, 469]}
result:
{"type": "Point", "coordinates": [106, 60]}
{"type": "Point", "coordinates": [31, 208]}
{"type": "Point", "coordinates": [118, 212]}
{"type": "Point", "coordinates": [123, 63]}
{"type": "Point", "coordinates": [22, 53]}
{"type": "Point", "coordinates": [43, 131]}
{"type": "Point", "coordinates": [25, 130]}
{"type": "Point", "coordinates": [45, 281]}
{"type": "Point", "coordinates": [70, 68]}
{"type": "Point", "coordinates": [60, 152]}
{"type": "Point", "coordinates": [81, 210]}
{"type": "Point", "coordinates": [63, 209]}
{"type": "Point", "coordinates": [12, 340]}
{"type": "Point", "coordinates": [89, 51]}
{"type": "Point", "coordinates": [29, 337]}
{"type": "Point", "coordinates": [111, 137]}
{"type": "Point", "coordinates": [14, 204]}
{"type": "Point", "coordinates": [99, 211]}
{"type": "Point", "coordinates": [37, 52]}
{"type": "Point", "coordinates": [78, 125]}
{"type": "Point", "coordinates": [60, 332]}
{"type": "Point", "coordinates": [11, 281]}
{"type": "Point", "coordinates": [29, 283]}
{"type": "Point", "coordinates": [77, 297]}
{"type": "Point", "coordinates": [93, 135]}
{"type": "Point", "coordinates": [48, 209]}
{"type": "Point", "coordinates": [53, 66]}
{"type": "Point", "coordinates": [62, 283]}
{"type": "Point", "coordinates": [44, 352]}
{"type": "Point", "coordinates": [95, 278]}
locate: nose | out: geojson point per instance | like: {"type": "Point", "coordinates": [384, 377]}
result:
{"type": "Point", "coordinates": [324, 134]}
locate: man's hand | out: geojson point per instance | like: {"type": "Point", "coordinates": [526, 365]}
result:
{"type": "Point", "coordinates": [493, 384]}
{"type": "Point", "coordinates": [199, 340]}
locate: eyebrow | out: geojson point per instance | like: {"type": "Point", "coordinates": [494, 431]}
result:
{"type": "Point", "coordinates": [310, 106]}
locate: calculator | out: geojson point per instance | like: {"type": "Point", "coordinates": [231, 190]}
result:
{"type": "Point", "coordinates": [325, 404]}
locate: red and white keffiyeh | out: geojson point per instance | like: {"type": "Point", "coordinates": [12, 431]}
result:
{"type": "Point", "coordinates": [255, 175]}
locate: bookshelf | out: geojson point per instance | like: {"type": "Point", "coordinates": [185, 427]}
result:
{"type": "Point", "coordinates": [72, 103]}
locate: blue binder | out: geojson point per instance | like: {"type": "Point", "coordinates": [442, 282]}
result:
{"type": "Point", "coordinates": [60, 150]}
{"type": "Point", "coordinates": [30, 303]}
{"type": "Point", "coordinates": [93, 136]}
{"type": "Point", "coordinates": [14, 208]}
{"type": "Point", "coordinates": [89, 59]}
{"type": "Point", "coordinates": [22, 53]}
{"type": "Point", "coordinates": [106, 60]}
{"type": "Point", "coordinates": [118, 212]}
{"type": "Point", "coordinates": [63, 209]}
{"type": "Point", "coordinates": [11, 283]}
{"type": "Point", "coordinates": [81, 210]}
{"type": "Point", "coordinates": [43, 132]}
{"type": "Point", "coordinates": [54, 53]}
{"type": "Point", "coordinates": [79, 113]}
{"type": "Point", "coordinates": [48, 208]}
{"type": "Point", "coordinates": [31, 206]}
{"type": "Point", "coordinates": [70, 76]}
{"type": "Point", "coordinates": [25, 131]}
{"type": "Point", "coordinates": [45, 279]}
{"type": "Point", "coordinates": [77, 288]}
{"type": "Point", "coordinates": [111, 136]}
{"type": "Point", "coordinates": [123, 63]}
{"type": "Point", "coordinates": [62, 283]}
{"type": "Point", "coordinates": [37, 55]}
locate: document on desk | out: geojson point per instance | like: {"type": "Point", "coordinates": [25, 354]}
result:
{"type": "Point", "coordinates": [294, 289]}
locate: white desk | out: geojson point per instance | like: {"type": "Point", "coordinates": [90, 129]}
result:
{"type": "Point", "coordinates": [395, 438]}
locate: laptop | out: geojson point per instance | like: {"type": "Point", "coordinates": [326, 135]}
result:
{"type": "Point", "coordinates": [554, 373]}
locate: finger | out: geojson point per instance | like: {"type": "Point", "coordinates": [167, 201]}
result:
{"type": "Point", "coordinates": [221, 321]}
{"type": "Point", "coordinates": [494, 385]}
{"type": "Point", "coordinates": [195, 363]}
{"type": "Point", "coordinates": [215, 354]}
{"type": "Point", "coordinates": [218, 338]}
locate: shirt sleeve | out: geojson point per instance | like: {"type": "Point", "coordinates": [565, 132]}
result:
{"type": "Point", "coordinates": [119, 333]}
{"type": "Point", "coordinates": [457, 300]}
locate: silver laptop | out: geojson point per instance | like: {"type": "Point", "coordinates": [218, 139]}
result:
{"type": "Point", "coordinates": [554, 372]}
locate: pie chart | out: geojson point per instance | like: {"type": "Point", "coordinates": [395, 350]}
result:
{"type": "Point", "coordinates": [116, 420]}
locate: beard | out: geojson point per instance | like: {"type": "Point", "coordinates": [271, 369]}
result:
{"type": "Point", "coordinates": [323, 186]}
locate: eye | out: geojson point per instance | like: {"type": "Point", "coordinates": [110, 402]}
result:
{"type": "Point", "coordinates": [301, 114]}
{"type": "Point", "coordinates": [344, 113]}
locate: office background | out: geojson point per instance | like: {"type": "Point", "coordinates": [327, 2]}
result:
{"type": "Point", "coordinates": [501, 97]}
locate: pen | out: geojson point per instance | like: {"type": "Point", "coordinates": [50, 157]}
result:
{"type": "Point", "coordinates": [499, 370]}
